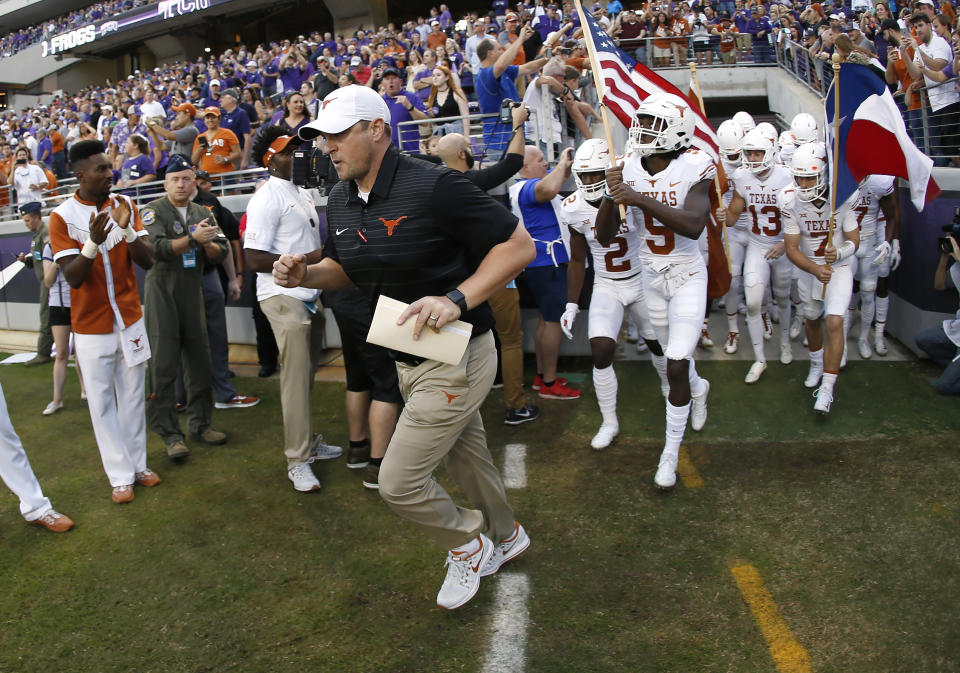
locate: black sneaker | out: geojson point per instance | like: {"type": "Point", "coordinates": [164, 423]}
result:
{"type": "Point", "coordinates": [358, 456]}
{"type": "Point", "coordinates": [522, 415]}
{"type": "Point", "coordinates": [371, 477]}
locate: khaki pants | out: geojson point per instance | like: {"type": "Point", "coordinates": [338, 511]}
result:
{"type": "Point", "coordinates": [505, 304]}
{"type": "Point", "coordinates": [441, 421]}
{"type": "Point", "coordinates": [299, 345]}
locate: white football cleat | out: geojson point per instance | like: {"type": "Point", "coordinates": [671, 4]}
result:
{"type": "Point", "coordinates": [642, 346]}
{"type": "Point", "coordinates": [814, 376]}
{"type": "Point", "coordinates": [733, 343]}
{"type": "Point", "coordinates": [767, 326]}
{"type": "Point", "coordinates": [796, 326]}
{"type": "Point", "coordinates": [863, 346]}
{"type": "Point", "coordinates": [633, 335]}
{"type": "Point", "coordinates": [666, 476]}
{"type": "Point", "coordinates": [604, 437]}
{"type": "Point", "coordinates": [756, 369]}
{"type": "Point", "coordinates": [705, 340]}
{"type": "Point", "coordinates": [698, 408]}
{"type": "Point", "coordinates": [786, 354]}
{"type": "Point", "coordinates": [824, 400]}
{"type": "Point", "coordinates": [879, 342]}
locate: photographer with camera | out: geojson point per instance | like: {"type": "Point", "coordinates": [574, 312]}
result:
{"type": "Point", "coordinates": [27, 178]}
{"type": "Point", "coordinates": [942, 343]}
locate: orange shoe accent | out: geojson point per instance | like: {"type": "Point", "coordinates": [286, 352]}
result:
{"type": "Point", "coordinates": [54, 521]}
{"type": "Point", "coordinates": [450, 398]}
{"type": "Point", "coordinates": [147, 478]}
{"type": "Point", "coordinates": [122, 494]}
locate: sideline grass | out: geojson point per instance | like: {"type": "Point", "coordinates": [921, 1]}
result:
{"type": "Point", "coordinates": [852, 522]}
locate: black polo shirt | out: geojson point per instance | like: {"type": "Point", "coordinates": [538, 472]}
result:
{"type": "Point", "coordinates": [423, 232]}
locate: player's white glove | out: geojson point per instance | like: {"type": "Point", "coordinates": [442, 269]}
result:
{"type": "Point", "coordinates": [883, 252]}
{"type": "Point", "coordinates": [895, 255]}
{"type": "Point", "coordinates": [567, 319]}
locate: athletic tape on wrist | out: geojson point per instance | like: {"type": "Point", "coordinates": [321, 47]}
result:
{"type": "Point", "coordinates": [89, 249]}
{"type": "Point", "coordinates": [129, 235]}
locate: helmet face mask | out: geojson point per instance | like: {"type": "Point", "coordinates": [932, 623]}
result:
{"type": "Point", "coordinates": [810, 161]}
{"type": "Point", "coordinates": [663, 123]}
{"type": "Point", "coordinates": [590, 159]}
{"type": "Point", "coordinates": [730, 137]}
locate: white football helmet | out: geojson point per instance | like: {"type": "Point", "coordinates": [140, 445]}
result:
{"type": "Point", "coordinates": [745, 120]}
{"type": "Point", "coordinates": [729, 136]}
{"type": "Point", "coordinates": [810, 160]}
{"type": "Point", "coordinates": [761, 139]}
{"type": "Point", "coordinates": [804, 128]}
{"type": "Point", "coordinates": [593, 156]}
{"type": "Point", "coordinates": [672, 128]}
{"type": "Point", "coordinates": [786, 147]}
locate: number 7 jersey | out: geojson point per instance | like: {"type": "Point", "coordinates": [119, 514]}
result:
{"type": "Point", "coordinates": [812, 223]}
{"type": "Point", "coordinates": [670, 186]}
{"type": "Point", "coordinates": [615, 261]}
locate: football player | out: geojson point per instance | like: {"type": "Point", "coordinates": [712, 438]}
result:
{"type": "Point", "coordinates": [617, 285]}
{"type": "Point", "coordinates": [758, 183]}
{"type": "Point", "coordinates": [827, 265]}
{"type": "Point", "coordinates": [730, 135]}
{"type": "Point", "coordinates": [665, 187]}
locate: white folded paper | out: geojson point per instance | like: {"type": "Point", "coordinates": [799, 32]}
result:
{"type": "Point", "coordinates": [446, 345]}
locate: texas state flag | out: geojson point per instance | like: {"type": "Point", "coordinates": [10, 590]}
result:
{"type": "Point", "coordinates": [873, 137]}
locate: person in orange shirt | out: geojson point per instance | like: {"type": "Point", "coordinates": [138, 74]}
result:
{"type": "Point", "coordinates": [6, 161]}
{"type": "Point", "coordinates": [96, 238]}
{"type": "Point", "coordinates": [59, 152]}
{"type": "Point", "coordinates": [215, 150]}
{"type": "Point", "coordinates": [436, 37]}
{"type": "Point", "coordinates": [896, 72]}
{"type": "Point", "coordinates": [680, 28]}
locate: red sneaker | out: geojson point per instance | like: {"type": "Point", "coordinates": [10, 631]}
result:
{"type": "Point", "coordinates": [558, 391]}
{"type": "Point", "coordinates": [538, 382]}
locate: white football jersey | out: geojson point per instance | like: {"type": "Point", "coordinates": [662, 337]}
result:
{"type": "Point", "coordinates": [762, 203]}
{"type": "Point", "coordinates": [670, 186]}
{"type": "Point", "coordinates": [867, 205]}
{"type": "Point", "coordinates": [812, 223]}
{"type": "Point", "coordinates": [621, 258]}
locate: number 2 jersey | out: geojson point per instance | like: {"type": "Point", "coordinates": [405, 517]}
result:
{"type": "Point", "coordinates": [762, 197]}
{"type": "Point", "coordinates": [616, 261]}
{"type": "Point", "coordinates": [812, 223]}
{"type": "Point", "coordinates": [670, 186]}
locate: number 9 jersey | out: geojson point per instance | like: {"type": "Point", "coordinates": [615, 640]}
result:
{"type": "Point", "coordinates": [618, 260]}
{"type": "Point", "coordinates": [670, 186]}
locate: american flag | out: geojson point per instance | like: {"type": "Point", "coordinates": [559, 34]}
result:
{"type": "Point", "coordinates": [626, 83]}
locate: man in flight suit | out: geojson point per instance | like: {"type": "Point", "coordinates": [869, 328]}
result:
{"type": "Point", "coordinates": [185, 243]}
{"type": "Point", "coordinates": [34, 221]}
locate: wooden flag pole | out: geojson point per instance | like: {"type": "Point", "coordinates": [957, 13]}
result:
{"type": "Point", "coordinates": [598, 83]}
{"type": "Point", "coordinates": [836, 150]}
{"type": "Point", "coordinates": [716, 179]}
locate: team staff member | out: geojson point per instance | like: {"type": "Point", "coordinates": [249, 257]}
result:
{"type": "Point", "coordinates": [33, 220]}
{"type": "Point", "coordinates": [215, 150]}
{"type": "Point", "coordinates": [17, 474]}
{"type": "Point", "coordinates": [96, 238]}
{"type": "Point", "coordinates": [282, 217]}
{"type": "Point", "coordinates": [428, 237]}
{"type": "Point", "coordinates": [185, 243]}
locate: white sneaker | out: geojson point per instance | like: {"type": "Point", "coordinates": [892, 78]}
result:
{"type": "Point", "coordinates": [843, 358]}
{"type": "Point", "coordinates": [756, 369]}
{"type": "Point", "coordinates": [796, 326]}
{"type": "Point", "coordinates": [506, 550]}
{"type": "Point", "coordinates": [786, 354]}
{"type": "Point", "coordinates": [52, 408]}
{"type": "Point", "coordinates": [698, 408]}
{"type": "Point", "coordinates": [733, 343]}
{"type": "Point", "coordinates": [604, 437]}
{"type": "Point", "coordinates": [323, 451]}
{"type": "Point", "coordinates": [705, 340]}
{"type": "Point", "coordinates": [879, 342]}
{"type": "Point", "coordinates": [767, 326]}
{"type": "Point", "coordinates": [824, 400]}
{"type": "Point", "coordinates": [642, 346]}
{"type": "Point", "coordinates": [633, 335]}
{"type": "Point", "coordinates": [463, 575]}
{"type": "Point", "coordinates": [666, 476]}
{"type": "Point", "coordinates": [303, 478]}
{"type": "Point", "coordinates": [864, 347]}
{"type": "Point", "coordinates": [814, 376]}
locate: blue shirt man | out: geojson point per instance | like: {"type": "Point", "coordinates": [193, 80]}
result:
{"type": "Point", "coordinates": [404, 106]}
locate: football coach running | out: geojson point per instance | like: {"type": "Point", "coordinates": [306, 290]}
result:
{"type": "Point", "coordinates": [424, 235]}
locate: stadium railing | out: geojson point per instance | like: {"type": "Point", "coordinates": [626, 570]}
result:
{"type": "Point", "coordinates": [760, 52]}
{"type": "Point", "coordinates": [923, 125]}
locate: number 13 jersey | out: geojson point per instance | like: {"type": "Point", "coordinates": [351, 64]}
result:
{"type": "Point", "coordinates": [763, 203]}
{"type": "Point", "coordinates": [670, 186]}
{"type": "Point", "coordinates": [615, 261]}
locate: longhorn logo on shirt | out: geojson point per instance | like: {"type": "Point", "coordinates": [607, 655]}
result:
{"type": "Point", "coordinates": [450, 398]}
{"type": "Point", "coordinates": [390, 224]}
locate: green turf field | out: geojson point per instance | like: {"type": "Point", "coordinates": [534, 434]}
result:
{"type": "Point", "coordinates": [851, 522]}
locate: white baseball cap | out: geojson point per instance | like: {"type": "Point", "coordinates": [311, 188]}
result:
{"type": "Point", "coordinates": [343, 108]}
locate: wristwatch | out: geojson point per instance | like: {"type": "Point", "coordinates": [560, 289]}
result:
{"type": "Point", "coordinates": [456, 296]}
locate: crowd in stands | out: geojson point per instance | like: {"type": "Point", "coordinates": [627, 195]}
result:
{"type": "Point", "coordinates": [27, 37]}
{"type": "Point", "coordinates": [431, 67]}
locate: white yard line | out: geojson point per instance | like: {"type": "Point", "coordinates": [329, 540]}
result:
{"type": "Point", "coordinates": [508, 638]}
{"type": "Point", "coordinates": [515, 466]}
